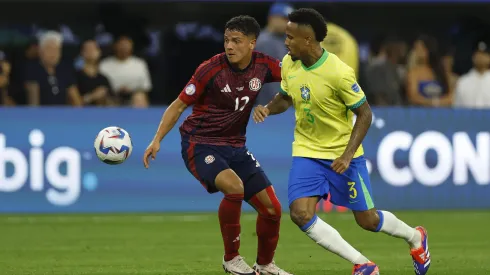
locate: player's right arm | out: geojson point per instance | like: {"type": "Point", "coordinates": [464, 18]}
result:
{"type": "Point", "coordinates": [280, 103]}
{"type": "Point", "coordinates": [188, 96]}
{"type": "Point", "coordinates": [169, 118]}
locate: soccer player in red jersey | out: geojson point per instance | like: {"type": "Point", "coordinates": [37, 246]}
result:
{"type": "Point", "coordinates": [223, 90]}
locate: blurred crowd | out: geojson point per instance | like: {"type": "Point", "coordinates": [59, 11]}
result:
{"type": "Point", "coordinates": [42, 78]}
{"type": "Point", "coordinates": [396, 73]}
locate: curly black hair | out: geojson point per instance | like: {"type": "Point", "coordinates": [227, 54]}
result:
{"type": "Point", "coordinates": [312, 18]}
{"type": "Point", "coordinates": [244, 24]}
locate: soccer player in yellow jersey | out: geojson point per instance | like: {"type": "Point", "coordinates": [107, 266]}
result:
{"type": "Point", "coordinates": [327, 152]}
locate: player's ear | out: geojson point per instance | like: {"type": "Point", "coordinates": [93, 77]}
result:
{"type": "Point", "coordinates": [253, 42]}
{"type": "Point", "coordinates": [308, 40]}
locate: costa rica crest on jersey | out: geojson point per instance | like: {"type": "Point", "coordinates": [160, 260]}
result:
{"type": "Point", "coordinates": [209, 159]}
{"type": "Point", "coordinates": [305, 92]}
{"type": "Point", "coordinates": [255, 84]}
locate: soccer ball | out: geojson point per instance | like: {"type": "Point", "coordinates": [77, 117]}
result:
{"type": "Point", "coordinates": [113, 145]}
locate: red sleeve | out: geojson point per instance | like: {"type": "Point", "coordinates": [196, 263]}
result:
{"type": "Point", "coordinates": [275, 68]}
{"type": "Point", "coordinates": [198, 82]}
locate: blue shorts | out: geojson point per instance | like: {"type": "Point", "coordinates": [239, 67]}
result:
{"type": "Point", "coordinates": [314, 177]}
{"type": "Point", "coordinates": [206, 161]}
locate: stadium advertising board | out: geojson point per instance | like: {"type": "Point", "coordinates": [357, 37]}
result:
{"type": "Point", "coordinates": [418, 159]}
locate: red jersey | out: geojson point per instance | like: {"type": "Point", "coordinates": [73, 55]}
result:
{"type": "Point", "coordinates": [223, 98]}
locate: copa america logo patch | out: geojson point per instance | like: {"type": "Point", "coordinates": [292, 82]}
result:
{"type": "Point", "coordinates": [355, 87]}
{"type": "Point", "coordinates": [209, 159]}
{"type": "Point", "coordinates": [190, 89]}
{"type": "Point", "coordinates": [255, 84]}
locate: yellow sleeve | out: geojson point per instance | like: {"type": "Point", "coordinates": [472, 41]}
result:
{"type": "Point", "coordinates": [284, 81]}
{"type": "Point", "coordinates": [349, 90]}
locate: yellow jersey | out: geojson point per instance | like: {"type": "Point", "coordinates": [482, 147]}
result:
{"type": "Point", "coordinates": [340, 42]}
{"type": "Point", "coordinates": [323, 96]}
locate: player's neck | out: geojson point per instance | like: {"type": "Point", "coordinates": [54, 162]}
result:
{"type": "Point", "coordinates": [242, 65]}
{"type": "Point", "coordinates": [313, 57]}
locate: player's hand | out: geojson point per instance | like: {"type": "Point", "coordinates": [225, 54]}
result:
{"type": "Point", "coordinates": [260, 113]}
{"type": "Point", "coordinates": [152, 151]}
{"type": "Point", "coordinates": [341, 164]}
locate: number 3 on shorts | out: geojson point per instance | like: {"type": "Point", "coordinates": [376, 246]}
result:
{"type": "Point", "coordinates": [352, 190]}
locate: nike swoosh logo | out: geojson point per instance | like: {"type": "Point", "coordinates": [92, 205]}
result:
{"type": "Point", "coordinates": [353, 201]}
{"type": "Point", "coordinates": [291, 77]}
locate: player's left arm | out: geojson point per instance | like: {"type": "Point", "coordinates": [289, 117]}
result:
{"type": "Point", "coordinates": [353, 97]}
{"type": "Point", "coordinates": [274, 69]}
{"type": "Point", "coordinates": [361, 127]}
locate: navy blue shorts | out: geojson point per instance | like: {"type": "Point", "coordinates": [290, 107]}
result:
{"type": "Point", "coordinates": [206, 161]}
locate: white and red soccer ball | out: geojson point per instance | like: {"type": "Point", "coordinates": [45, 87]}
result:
{"type": "Point", "coordinates": [113, 145]}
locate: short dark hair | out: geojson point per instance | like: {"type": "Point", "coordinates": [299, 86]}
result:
{"type": "Point", "coordinates": [312, 18]}
{"type": "Point", "coordinates": [244, 24]}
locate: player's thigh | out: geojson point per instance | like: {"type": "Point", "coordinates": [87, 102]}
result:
{"type": "Point", "coordinates": [353, 188]}
{"type": "Point", "coordinates": [307, 179]}
{"type": "Point", "coordinates": [248, 169]}
{"type": "Point", "coordinates": [228, 182]}
{"type": "Point", "coordinates": [204, 162]}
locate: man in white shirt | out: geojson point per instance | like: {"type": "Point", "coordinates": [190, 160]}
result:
{"type": "Point", "coordinates": [128, 75]}
{"type": "Point", "coordinates": [473, 88]}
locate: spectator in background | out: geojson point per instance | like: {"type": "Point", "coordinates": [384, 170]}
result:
{"type": "Point", "coordinates": [271, 42]}
{"type": "Point", "coordinates": [427, 79]}
{"type": "Point", "coordinates": [128, 75]}
{"type": "Point", "coordinates": [93, 86]}
{"type": "Point", "coordinates": [448, 63]}
{"type": "Point", "coordinates": [382, 77]}
{"type": "Point", "coordinates": [4, 81]}
{"type": "Point", "coordinates": [20, 63]}
{"type": "Point", "coordinates": [341, 43]}
{"type": "Point", "coordinates": [473, 88]}
{"type": "Point", "coordinates": [49, 82]}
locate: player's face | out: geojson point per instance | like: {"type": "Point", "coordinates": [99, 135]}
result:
{"type": "Point", "coordinates": [238, 46]}
{"type": "Point", "coordinates": [296, 41]}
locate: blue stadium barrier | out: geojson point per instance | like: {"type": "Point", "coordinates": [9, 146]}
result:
{"type": "Point", "coordinates": [418, 159]}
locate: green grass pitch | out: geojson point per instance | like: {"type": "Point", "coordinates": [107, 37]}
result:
{"type": "Point", "coordinates": [181, 244]}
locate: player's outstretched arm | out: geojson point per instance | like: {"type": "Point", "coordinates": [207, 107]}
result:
{"type": "Point", "coordinates": [279, 104]}
{"type": "Point", "coordinates": [361, 127]}
{"type": "Point", "coordinates": [169, 118]}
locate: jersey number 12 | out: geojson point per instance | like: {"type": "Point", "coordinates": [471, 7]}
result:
{"type": "Point", "coordinates": [237, 103]}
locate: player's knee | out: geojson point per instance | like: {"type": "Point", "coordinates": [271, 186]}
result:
{"type": "Point", "coordinates": [267, 204]}
{"type": "Point", "coordinates": [229, 183]}
{"type": "Point", "coordinates": [368, 220]}
{"type": "Point", "coordinates": [274, 209]}
{"type": "Point", "coordinates": [301, 217]}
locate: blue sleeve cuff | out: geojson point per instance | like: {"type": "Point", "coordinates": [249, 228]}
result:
{"type": "Point", "coordinates": [359, 103]}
